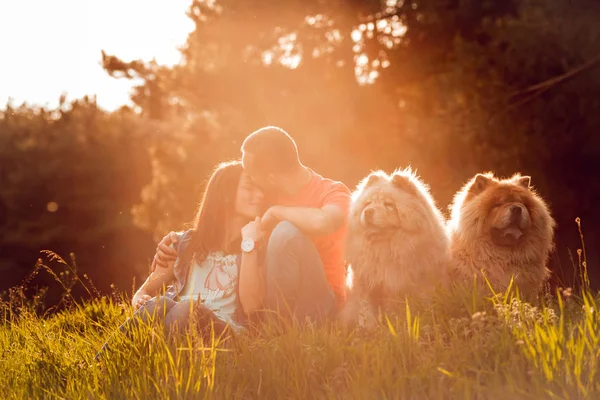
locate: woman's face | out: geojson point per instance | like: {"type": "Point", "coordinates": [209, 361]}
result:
{"type": "Point", "coordinates": [249, 201]}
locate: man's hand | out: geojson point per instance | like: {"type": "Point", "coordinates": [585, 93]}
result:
{"type": "Point", "coordinates": [270, 219]}
{"type": "Point", "coordinates": [139, 299]}
{"type": "Point", "coordinates": [164, 252]}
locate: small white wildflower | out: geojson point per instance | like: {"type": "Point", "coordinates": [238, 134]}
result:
{"type": "Point", "coordinates": [568, 292]}
{"type": "Point", "coordinates": [478, 315]}
{"type": "Point", "coordinates": [552, 315]}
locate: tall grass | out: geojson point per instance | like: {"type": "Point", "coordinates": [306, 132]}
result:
{"type": "Point", "coordinates": [462, 345]}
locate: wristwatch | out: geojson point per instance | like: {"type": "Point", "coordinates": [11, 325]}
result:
{"type": "Point", "coordinates": [247, 245]}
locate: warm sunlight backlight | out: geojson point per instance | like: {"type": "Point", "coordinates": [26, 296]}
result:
{"type": "Point", "coordinates": [350, 277]}
{"type": "Point", "coordinates": [389, 31]}
{"type": "Point", "coordinates": [50, 47]}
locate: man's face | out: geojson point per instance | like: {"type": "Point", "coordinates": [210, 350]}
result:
{"type": "Point", "coordinates": [265, 181]}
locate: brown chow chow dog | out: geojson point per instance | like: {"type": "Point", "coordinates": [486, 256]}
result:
{"type": "Point", "coordinates": [396, 245]}
{"type": "Point", "coordinates": [501, 229]}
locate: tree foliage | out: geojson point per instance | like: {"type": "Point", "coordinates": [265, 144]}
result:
{"type": "Point", "coordinates": [450, 87]}
{"type": "Point", "coordinates": [69, 178]}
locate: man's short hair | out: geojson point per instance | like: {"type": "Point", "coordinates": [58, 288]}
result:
{"type": "Point", "coordinates": [273, 150]}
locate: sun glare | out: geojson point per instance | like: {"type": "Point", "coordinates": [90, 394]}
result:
{"type": "Point", "coordinates": [389, 32]}
{"type": "Point", "coordinates": [56, 49]}
{"type": "Point", "coordinates": [349, 277]}
{"type": "Point", "coordinates": [51, 47]}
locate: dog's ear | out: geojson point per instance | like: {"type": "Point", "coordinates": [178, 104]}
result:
{"type": "Point", "coordinates": [372, 179]}
{"type": "Point", "coordinates": [403, 183]}
{"type": "Point", "coordinates": [525, 181]}
{"type": "Point", "coordinates": [479, 183]}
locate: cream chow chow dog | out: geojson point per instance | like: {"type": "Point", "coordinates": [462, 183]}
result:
{"type": "Point", "coordinates": [396, 247]}
{"type": "Point", "coordinates": [502, 229]}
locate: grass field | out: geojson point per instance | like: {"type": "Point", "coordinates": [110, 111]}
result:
{"type": "Point", "coordinates": [461, 346]}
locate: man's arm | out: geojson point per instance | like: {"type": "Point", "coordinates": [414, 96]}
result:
{"type": "Point", "coordinates": [314, 221]}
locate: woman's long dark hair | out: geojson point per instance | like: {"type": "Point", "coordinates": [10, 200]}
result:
{"type": "Point", "coordinates": [215, 211]}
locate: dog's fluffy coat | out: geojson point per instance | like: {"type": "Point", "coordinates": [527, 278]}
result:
{"type": "Point", "coordinates": [502, 229]}
{"type": "Point", "coordinates": [397, 245]}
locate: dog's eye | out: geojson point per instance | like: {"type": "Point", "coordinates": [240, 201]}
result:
{"type": "Point", "coordinates": [496, 205]}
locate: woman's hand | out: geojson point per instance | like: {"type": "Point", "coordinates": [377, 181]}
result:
{"type": "Point", "coordinates": [139, 299]}
{"type": "Point", "coordinates": [253, 230]}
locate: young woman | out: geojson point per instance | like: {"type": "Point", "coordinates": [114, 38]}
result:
{"type": "Point", "coordinates": [217, 277]}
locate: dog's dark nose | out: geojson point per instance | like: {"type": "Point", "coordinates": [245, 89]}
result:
{"type": "Point", "coordinates": [516, 211]}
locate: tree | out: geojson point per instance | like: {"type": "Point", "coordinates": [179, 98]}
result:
{"type": "Point", "coordinates": [450, 87]}
{"type": "Point", "coordinates": [69, 178]}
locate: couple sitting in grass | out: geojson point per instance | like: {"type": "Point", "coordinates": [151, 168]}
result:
{"type": "Point", "coordinates": [238, 261]}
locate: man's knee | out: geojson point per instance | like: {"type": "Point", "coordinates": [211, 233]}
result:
{"type": "Point", "coordinates": [284, 234]}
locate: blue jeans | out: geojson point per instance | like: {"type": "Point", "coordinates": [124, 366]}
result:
{"type": "Point", "coordinates": [176, 316]}
{"type": "Point", "coordinates": [296, 285]}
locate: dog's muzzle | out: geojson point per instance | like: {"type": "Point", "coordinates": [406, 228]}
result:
{"type": "Point", "coordinates": [517, 220]}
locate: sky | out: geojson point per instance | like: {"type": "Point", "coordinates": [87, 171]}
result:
{"type": "Point", "coordinates": [48, 47]}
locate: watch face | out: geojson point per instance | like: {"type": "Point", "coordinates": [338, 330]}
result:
{"type": "Point", "coordinates": [247, 245]}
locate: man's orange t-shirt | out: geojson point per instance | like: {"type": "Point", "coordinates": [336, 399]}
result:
{"type": "Point", "coordinates": [316, 194]}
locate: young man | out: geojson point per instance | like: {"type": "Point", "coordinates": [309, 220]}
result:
{"type": "Point", "coordinates": [306, 227]}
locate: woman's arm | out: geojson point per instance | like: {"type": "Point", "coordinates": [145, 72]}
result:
{"type": "Point", "coordinates": [251, 280]}
{"type": "Point", "coordinates": [159, 278]}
